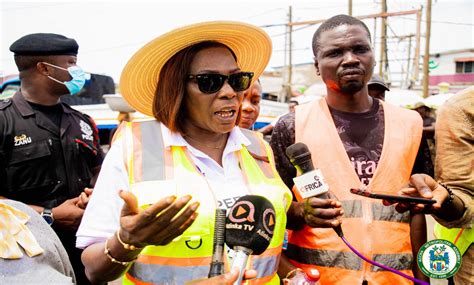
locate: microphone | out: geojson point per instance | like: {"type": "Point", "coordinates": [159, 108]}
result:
{"type": "Point", "coordinates": [217, 265]}
{"type": "Point", "coordinates": [249, 229]}
{"type": "Point", "coordinates": [311, 182]}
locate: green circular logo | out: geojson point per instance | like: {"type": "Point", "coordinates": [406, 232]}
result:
{"type": "Point", "coordinates": [439, 259]}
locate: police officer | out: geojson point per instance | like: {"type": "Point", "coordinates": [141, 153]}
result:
{"type": "Point", "coordinates": [49, 152]}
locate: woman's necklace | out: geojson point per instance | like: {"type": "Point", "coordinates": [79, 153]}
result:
{"type": "Point", "coordinates": [205, 145]}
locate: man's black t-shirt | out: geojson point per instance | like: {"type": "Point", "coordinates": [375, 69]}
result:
{"type": "Point", "coordinates": [362, 136]}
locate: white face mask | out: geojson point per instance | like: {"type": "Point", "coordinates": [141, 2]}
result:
{"type": "Point", "coordinates": [78, 80]}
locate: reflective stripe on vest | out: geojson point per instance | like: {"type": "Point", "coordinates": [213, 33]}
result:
{"type": "Point", "coordinates": [346, 259]}
{"type": "Point", "coordinates": [188, 256]}
{"type": "Point", "coordinates": [167, 274]}
{"type": "Point", "coordinates": [377, 231]}
{"type": "Point", "coordinates": [266, 264]}
{"type": "Point", "coordinates": [379, 212]}
{"type": "Point", "coordinates": [461, 237]}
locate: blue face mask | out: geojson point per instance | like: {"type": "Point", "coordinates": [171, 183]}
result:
{"type": "Point", "coordinates": [78, 80]}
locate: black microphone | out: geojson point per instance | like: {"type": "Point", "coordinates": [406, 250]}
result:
{"type": "Point", "coordinates": [217, 265]}
{"type": "Point", "coordinates": [249, 229]}
{"type": "Point", "coordinates": [311, 182]}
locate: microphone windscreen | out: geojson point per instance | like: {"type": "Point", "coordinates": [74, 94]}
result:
{"type": "Point", "coordinates": [298, 152]}
{"type": "Point", "coordinates": [250, 223]}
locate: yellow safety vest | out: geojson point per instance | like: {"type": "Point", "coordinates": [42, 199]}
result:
{"type": "Point", "coordinates": [461, 237]}
{"type": "Point", "coordinates": [156, 172]}
{"type": "Point", "coordinates": [379, 232]}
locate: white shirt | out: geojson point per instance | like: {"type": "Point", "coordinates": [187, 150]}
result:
{"type": "Point", "coordinates": [102, 216]}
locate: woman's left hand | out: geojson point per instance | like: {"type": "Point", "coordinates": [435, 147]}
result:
{"type": "Point", "coordinates": [159, 224]}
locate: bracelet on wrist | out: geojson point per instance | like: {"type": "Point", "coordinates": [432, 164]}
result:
{"type": "Point", "coordinates": [450, 199]}
{"type": "Point", "coordinates": [126, 245]}
{"type": "Point", "coordinates": [113, 259]}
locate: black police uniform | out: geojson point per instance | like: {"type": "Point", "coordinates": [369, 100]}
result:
{"type": "Point", "coordinates": [40, 164]}
{"type": "Point", "coordinates": [43, 164]}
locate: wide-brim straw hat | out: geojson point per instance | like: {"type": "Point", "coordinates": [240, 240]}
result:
{"type": "Point", "coordinates": [251, 45]}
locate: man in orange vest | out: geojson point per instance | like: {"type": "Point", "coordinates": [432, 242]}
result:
{"type": "Point", "coordinates": [357, 142]}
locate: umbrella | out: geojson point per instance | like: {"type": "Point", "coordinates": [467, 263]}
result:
{"type": "Point", "coordinates": [435, 101]}
{"type": "Point", "coordinates": [403, 97]}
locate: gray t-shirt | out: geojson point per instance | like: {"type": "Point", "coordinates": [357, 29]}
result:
{"type": "Point", "coordinates": [50, 267]}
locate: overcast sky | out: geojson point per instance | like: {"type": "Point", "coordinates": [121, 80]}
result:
{"type": "Point", "coordinates": [109, 32]}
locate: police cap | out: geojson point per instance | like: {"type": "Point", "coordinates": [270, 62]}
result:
{"type": "Point", "coordinates": [44, 44]}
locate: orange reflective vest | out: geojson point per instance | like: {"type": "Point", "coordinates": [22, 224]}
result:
{"type": "Point", "coordinates": [379, 232]}
{"type": "Point", "coordinates": [156, 172]}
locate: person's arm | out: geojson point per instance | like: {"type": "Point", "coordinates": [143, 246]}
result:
{"type": "Point", "coordinates": [423, 162]}
{"type": "Point", "coordinates": [418, 238]}
{"type": "Point", "coordinates": [282, 137]}
{"type": "Point", "coordinates": [66, 215]}
{"type": "Point", "coordinates": [422, 185]}
{"type": "Point", "coordinates": [266, 130]}
{"type": "Point", "coordinates": [314, 212]}
{"type": "Point", "coordinates": [454, 154]}
{"type": "Point", "coordinates": [157, 225]}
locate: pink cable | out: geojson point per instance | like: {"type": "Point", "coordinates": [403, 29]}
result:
{"type": "Point", "coordinates": [381, 265]}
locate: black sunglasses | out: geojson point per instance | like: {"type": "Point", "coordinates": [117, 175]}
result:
{"type": "Point", "coordinates": [212, 82]}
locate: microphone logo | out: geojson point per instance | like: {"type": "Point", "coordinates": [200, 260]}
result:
{"type": "Point", "coordinates": [269, 220]}
{"type": "Point", "coordinates": [242, 211]}
{"type": "Point", "coordinates": [311, 184]}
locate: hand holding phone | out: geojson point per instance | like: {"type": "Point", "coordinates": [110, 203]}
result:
{"type": "Point", "coordinates": [392, 198]}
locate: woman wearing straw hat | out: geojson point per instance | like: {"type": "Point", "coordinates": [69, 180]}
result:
{"type": "Point", "coordinates": [173, 172]}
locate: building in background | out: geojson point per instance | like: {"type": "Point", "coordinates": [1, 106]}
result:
{"type": "Point", "coordinates": [455, 67]}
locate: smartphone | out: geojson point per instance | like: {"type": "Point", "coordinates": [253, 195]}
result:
{"type": "Point", "coordinates": [394, 198]}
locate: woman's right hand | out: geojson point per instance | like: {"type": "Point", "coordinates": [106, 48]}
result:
{"type": "Point", "coordinates": [158, 224]}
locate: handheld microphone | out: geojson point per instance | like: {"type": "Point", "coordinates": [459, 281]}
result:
{"type": "Point", "coordinates": [217, 265]}
{"type": "Point", "coordinates": [311, 182]}
{"type": "Point", "coordinates": [249, 229]}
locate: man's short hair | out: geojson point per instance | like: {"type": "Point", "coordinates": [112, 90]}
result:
{"type": "Point", "coordinates": [26, 62]}
{"type": "Point", "coordinates": [334, 22]}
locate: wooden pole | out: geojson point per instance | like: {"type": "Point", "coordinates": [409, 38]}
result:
{"type": "Point", "coordinates": [426, 58]}
{"type": "Point", "coordinates": [383, 44]}
{"type": "Point", "coordinates": [282, 95]}
{"type": "Point", "coordinates": [290, 61]}
{"type": "Point", "coordinates": [407, 80]}
{"type": "Point", "coordinates": [349, 12]}
{"type": "Point", "coordinates": [416, 59]}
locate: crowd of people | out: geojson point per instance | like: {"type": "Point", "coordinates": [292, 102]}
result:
{"type": "Point", "coordinates": [145, 212]}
